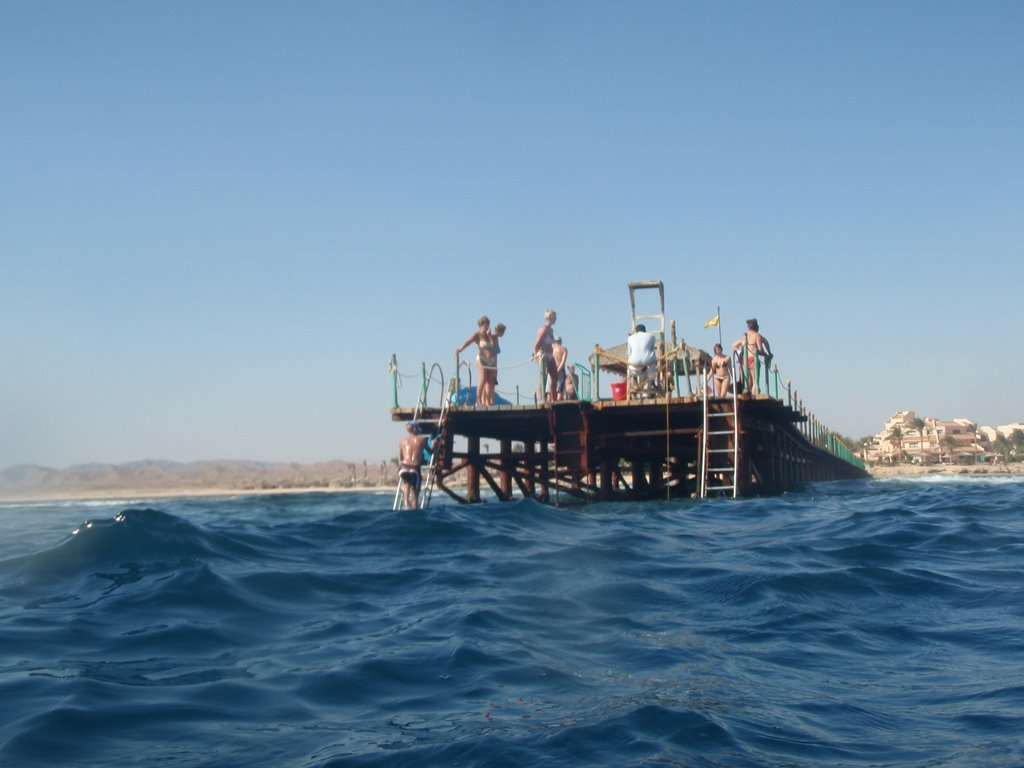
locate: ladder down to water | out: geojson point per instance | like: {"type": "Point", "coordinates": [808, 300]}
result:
{"type": "Point", "coordinates": [719, 447]}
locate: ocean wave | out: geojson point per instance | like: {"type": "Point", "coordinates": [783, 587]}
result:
{"type": "Point", "coordinates": [941, 478]}
{"type": "Point", "coordinates": [852, 624]}
{"type": "Point", "coordinates": [75, 504]}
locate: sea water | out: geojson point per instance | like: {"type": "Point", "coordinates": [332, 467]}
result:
{"type": "Point", "coordinates": [874, 623]}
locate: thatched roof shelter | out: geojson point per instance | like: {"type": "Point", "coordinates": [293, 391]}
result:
{"type": "Point", "coordinates": [613, 359]}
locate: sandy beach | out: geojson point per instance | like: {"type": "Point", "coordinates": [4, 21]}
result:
{"type": "Point", "coordinates": [914, 470]}
{"type": "Point", "coordinates": [138, 494]}
{"type": "Point", "coordinates": [180, 493]}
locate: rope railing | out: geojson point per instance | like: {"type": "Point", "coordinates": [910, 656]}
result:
{"type": "Point", "coordinates": [583, 392]}
{"type": "Point", "coordinates": [509, 395]}
{"type": "Point", "coordinates": [459, 363]}
{"type": "Point", "coordinates": [813, 430]}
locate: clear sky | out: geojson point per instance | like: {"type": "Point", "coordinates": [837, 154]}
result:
{"type": "Point", "coordinates": [218, 220]}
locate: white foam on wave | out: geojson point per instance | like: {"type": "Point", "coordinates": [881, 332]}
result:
{"type": "Point", "coordinates": [68, 504]}
{"type": "Point", "coordinates": [945, 479]}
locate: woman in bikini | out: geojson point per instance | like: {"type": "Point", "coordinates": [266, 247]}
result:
{"type": "Point", "coordinates": [721, 372]}
{"type": "Point", "coordinates": [486, 358]}
{"type": "Point", "coordinates": [750, 345]}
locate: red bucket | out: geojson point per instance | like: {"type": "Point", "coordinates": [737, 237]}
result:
{"type": "Point", "coordinates": [618, 390]}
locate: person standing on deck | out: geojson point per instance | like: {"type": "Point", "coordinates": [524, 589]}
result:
{"type": "Point", "coordinates": [410, 454]}
{"type": "Point", "coordinates": [561, 355]}
{"type": "Point", "coordinates": [720, 372]}
{"type": "Point", "coordinates": [543, 351]}
{"type": "Point", "coordinates": [749, 346]}
{"type": "Point", "coordinates": [486, 358]}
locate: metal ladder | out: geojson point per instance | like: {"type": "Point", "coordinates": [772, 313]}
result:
{"type": "Point", "coordinates": [431, 468]}
{"type": "Point", "coordinates": [442, 419]}
{"type": "Point", "coordinates": [724, 460]}
{"type": "Point", "coordinates": [659, 331]}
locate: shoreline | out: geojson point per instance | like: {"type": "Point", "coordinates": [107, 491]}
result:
{"type": "Point", "coordinates": [179, 493]}
{"type": "Point", "coordinates": [876, 473]}
{"type": "Point", "coordinates": [955, 470]}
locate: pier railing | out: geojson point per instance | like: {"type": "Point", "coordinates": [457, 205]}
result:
{"type": "Point", "coordinates": [436, 374]}
{"type": "Point", "coordinates": [811, 427]}
{"type": "Point", "coordinates": [813, 430]}
{"type": "Point", "coordinates": [755, 375]}
{"type": "Point", "coordinates": [585, 389]}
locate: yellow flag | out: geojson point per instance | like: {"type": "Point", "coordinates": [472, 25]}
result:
{"type": "Point", "coordinates": [711, 322]}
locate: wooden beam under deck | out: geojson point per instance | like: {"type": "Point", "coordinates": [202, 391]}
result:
{"type": "Point", "coordinates": [577, 449]}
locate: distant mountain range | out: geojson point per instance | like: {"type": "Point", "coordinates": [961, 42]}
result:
{"type": "Point", "coordinates": [33, 481]}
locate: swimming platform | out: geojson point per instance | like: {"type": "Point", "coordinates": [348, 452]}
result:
{"type": "Point", "coordinates": [668, 438]}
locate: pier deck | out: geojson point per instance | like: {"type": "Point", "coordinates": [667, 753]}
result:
{"type": "Point", "coordinates": [631, 449]}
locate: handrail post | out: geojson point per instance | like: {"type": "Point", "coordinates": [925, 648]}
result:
{"type": "Point", "coordinates": [686, 370]}
{"type": "Point", "coordinates": [583, 389]}
{"type": "Point", "coordinates": [423, 387]}
{"type": "Point", "coordinates": [458, 378]}
{"type": "Point", "coordinates": [675, 361]}
{"type": "Point", "coordinates": [393, 367]}
{"type": "Point", "coordinates": [517, 394]}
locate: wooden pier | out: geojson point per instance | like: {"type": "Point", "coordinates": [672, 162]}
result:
{"type": "Point", "coordinates": [636, 449]}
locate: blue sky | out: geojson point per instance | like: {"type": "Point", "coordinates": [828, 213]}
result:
{"type": "Point", "coordinates": [219, 220]}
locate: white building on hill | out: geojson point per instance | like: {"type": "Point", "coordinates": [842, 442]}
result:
{"type": "Point", "coordinates": [929, 440]}
{"type": "Point", "coordinates": [1006, 431]}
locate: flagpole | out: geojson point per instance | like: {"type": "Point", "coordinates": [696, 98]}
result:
{"type": "Point", "coordinates": [718, 313]}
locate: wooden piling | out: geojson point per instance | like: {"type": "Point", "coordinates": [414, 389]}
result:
{"type": "Point", "coordinates": [571, 451]}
